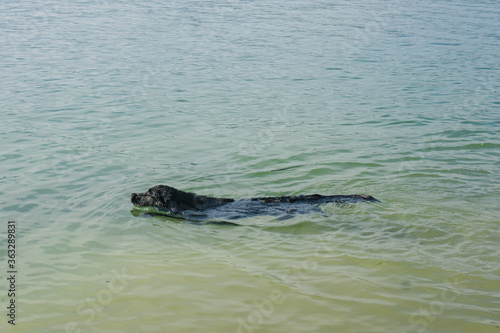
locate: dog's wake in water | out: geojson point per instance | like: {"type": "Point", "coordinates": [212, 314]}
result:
{"type": "Point", "coordinates": [170, 202]}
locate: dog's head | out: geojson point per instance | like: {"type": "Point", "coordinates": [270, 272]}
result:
{"type": "Point", "coordinates": [165, 197]}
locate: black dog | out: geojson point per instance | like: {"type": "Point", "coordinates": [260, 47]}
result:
{"type": "Point", "coordinates": [199, 207]}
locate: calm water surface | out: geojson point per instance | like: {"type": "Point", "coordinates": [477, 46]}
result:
{"type": "Point", "coordinates": [397, 99]}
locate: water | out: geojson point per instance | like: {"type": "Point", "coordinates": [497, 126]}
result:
{"type": "Point", "coordinates": [395, 99]}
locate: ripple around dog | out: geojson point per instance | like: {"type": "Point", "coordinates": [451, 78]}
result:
{"type": "Point", "coordinates": [169, 201]}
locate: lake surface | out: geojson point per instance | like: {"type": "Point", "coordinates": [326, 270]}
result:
{"type": "Point", "coordinates": [396, 99]}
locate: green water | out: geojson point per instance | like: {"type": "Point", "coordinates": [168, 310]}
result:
{"type": "Point", "coordinates": [394, 99]}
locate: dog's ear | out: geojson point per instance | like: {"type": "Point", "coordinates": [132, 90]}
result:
{"type": "Point", "coordinates": [164, 195]}
{"type": "Point", "coordinates": [172, 206]}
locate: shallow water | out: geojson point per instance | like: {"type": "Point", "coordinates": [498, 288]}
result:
{"type": "Point", "coordinates": [397, 100]}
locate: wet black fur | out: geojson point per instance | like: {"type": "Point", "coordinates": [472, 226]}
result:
{"type": "Point", "coordinates": [176, 201]}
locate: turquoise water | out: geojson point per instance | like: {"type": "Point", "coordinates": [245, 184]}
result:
{"type": "Point", "coordinates": [397, 99]}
